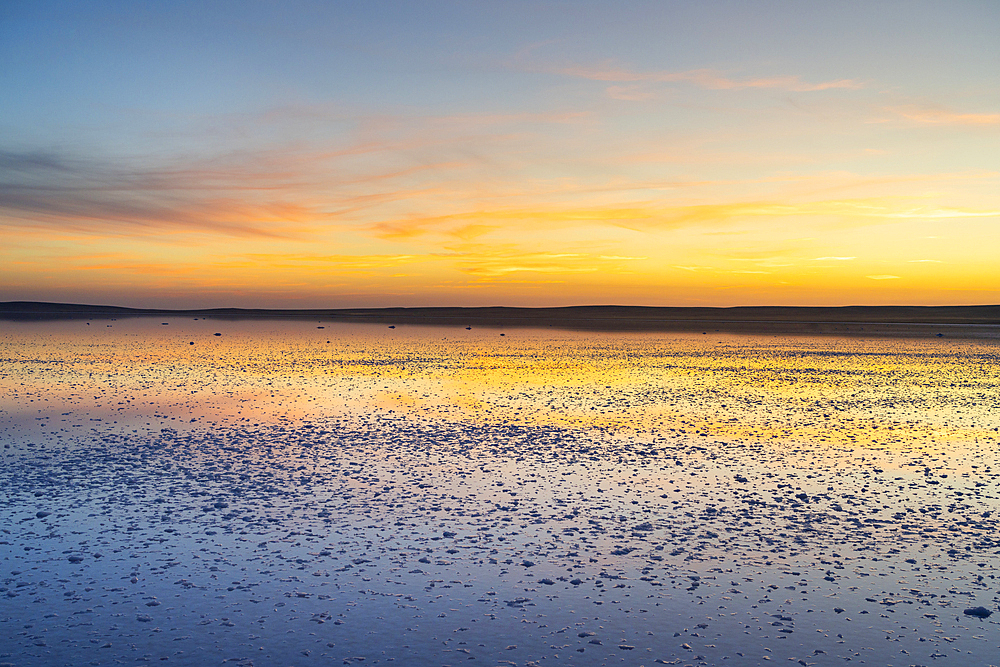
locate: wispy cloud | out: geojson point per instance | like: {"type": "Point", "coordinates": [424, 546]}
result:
{"type": "Point", "coordinates": [495, 270]}
{"type": "Point", "coordinates": [456, 223]}
{"type": "Point", "coordinates": [279, 193]}
{"type": "Point", "coordinates": [935, 115]}
{"type": "Point", "coordinates": [649, 216]}
{"type": "Point", "coordinates": [91, 195]}
{"type": "Point", "coordinates": [709, 79]}
{"type": "Point", "coordinates": [943, 212]}
{"type": "Point", "coordinates": [883, 276]}
{"type": "Point", "coordinates": [875, 208]}
{"type": "Point", "coordinates": [488, 262]}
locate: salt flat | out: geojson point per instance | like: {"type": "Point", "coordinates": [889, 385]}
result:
{"type": "Point", "coordinates": [293, 493]}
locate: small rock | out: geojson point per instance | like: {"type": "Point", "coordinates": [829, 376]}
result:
{"type": "Point", "coordinates": [980, 612]}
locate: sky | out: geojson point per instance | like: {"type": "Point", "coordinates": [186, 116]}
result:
{"type": "Point", "coordinates": [350, 154]}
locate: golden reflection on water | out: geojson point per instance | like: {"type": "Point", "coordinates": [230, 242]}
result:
{"type": "Point", "coordinates": [664, 459]}
{"type": "Point", "coordinates": [836, 392]}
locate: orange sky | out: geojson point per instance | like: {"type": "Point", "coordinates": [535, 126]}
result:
{"type": "Point", "coordinates": [651, 154]}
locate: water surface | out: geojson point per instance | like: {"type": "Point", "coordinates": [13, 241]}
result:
{"type": "Point", "coordinates": [290, 493]}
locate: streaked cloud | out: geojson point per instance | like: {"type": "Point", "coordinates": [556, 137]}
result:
{"type": "Point", "coordinates": [92, 195]}
{"type": "Point", "coordinates": [929, 115]}
{"type": "Point", "coordinates": [883, 276]}
{"type": "Point", "coordinates": [495, 269]}
{"type": "Point", "coordinates": [651, 215]}
{"type": "Point", "coordinates": [709, 79]}
{"type": "Point", "coordinates": [486, 263]}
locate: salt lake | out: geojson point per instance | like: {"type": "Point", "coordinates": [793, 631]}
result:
{"type": "Point", "coordinates": [266, 492]}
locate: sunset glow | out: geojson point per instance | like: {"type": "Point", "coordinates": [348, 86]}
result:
{"type": "Point", "coordinates": [422, 154]}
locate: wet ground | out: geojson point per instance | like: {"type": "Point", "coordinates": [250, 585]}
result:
{"type": "Point", "coordinates": [281, 493]}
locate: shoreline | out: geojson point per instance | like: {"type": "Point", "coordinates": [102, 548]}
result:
{"type": "Point", "coordinates": [892, 321]}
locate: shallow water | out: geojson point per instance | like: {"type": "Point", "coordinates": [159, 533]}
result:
{"type": "Point", "coordinates": [291, 493]}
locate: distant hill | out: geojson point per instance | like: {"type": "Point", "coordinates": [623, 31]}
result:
{"type": "Point", "coordinates": [886, 320]}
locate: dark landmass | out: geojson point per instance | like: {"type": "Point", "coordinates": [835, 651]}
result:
{"type": "Point", "coordinates": [950, 321]}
